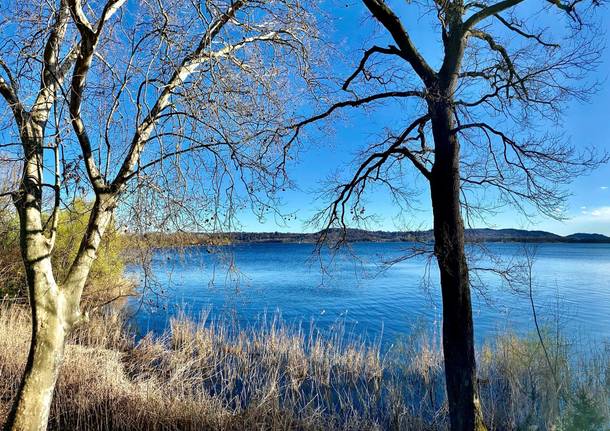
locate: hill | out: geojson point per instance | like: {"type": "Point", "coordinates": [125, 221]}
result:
{"type": "Point", "coordinates": [361, 235]}
{"type": "Point", "coordinates": [472, 235]}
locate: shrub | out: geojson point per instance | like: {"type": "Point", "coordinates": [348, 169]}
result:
{"type": "Point", "coordinates": [73, 220]}
{"type": "Point", "coordinates": [12, 274]}
{"type": "Point", "coordinates": [585, 413]}
{"type": "Point", "coordinates": [106, 273]}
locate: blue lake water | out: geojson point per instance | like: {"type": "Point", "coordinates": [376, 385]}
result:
{"type": "Point", "coordinates": [571, 287]}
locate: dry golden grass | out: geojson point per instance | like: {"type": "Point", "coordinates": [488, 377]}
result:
{"type": "Point", "coordinates": [193, 377]}
{"type": "Point", "coordinates": [211, 376]}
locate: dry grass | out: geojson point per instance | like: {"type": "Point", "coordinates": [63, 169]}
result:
{"type": "Point", "coordinates": [211, 376]}
{"type": "Point", "coordinates": [194, 377]}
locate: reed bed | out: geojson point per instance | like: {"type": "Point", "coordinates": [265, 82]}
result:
{"type": "Point", "coordinates": [213, 375]}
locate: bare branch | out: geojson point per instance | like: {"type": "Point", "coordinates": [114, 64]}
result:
{"type": "Point", "coordinates": [515, 27]}
{"type": "Point", "coordinates": [10, 95]}
{"type": "Point", "coordinates": [53, 71]}
{"type": "Point", "coordinates": [188, 66]}
{"type": "Point", "coordinates": [505, 56]}
{"type": "Point", "coordinates": [382, 12]}
{"type": "Point", "coordinates": [336, 211]}
{"type": "Point", "coordinates": [88, 44]}
{"type": "Point", "coordinates": [487, 12]}
{"type": "Point", "coordinates": [352, 103]}
{"type": "Point", "coordinates": [390, 50]}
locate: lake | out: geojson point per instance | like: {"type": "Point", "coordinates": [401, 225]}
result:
{"type": "Point", "coordinates": [356, 289]}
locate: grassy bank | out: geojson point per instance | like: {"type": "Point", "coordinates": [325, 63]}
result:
{"type": "Point", "coordinates": [211, 376]}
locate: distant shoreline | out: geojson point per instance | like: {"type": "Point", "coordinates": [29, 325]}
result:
{"type": "Point", "coordinates": [359, 235]}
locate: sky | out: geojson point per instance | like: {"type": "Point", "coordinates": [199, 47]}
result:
{"type": "Point", "coordinates": [350, 30]}
{"type": "Point", "coordinates": [586, 124]}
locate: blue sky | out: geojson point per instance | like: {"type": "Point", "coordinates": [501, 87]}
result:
{"type": "Point", "coordinates": [586, 124]}
{"type": "Point", "coordinates": [351, 30]}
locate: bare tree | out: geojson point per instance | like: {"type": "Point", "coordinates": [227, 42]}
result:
{"type": "Point", "coordinates": [473, 136]}
{"type": "Point", "coordinates": [173, 107]}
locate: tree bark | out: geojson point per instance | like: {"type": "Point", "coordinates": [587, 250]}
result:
{"type": "Point", "coordinates": [49, 329]}
{"type": "Point", "coordinates": [50, 315]}
{"type": "Point", "coordinates": [458, 332]}
{"type": "Point", "coordinates": [55, 309]}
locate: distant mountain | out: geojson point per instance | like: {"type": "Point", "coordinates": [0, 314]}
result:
{"type": "Point", "coordinates": [587, 237]}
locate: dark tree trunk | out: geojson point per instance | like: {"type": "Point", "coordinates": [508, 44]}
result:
{"type": "Point", "coordinates": [458, 333]}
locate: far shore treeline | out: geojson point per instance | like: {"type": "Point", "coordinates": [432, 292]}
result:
{"type": "Point", "coordinates": [177, 239]}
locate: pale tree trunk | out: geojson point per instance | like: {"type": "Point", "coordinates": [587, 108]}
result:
{"type": "Point", "coordinates": [50, 326]}
{"type": "Point", "coordinates": [49, 323]}
{"type": "Point", "coordinates": [458, 331]}
{"type": "Point", "coordinates": [55, 309]}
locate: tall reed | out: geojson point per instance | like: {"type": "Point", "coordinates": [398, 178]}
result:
{"type": "Point", "coordinates": [214, 375]}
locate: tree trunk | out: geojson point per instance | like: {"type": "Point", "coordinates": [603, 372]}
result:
{"type": "Point", "coordinates": [458, 332]}
{"type": "Point", "coordinates": [50, 314]}
{"type": "Point", "coordinates": [49, 330]}
{"type": "Point", "coordinates": [55, 309]}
